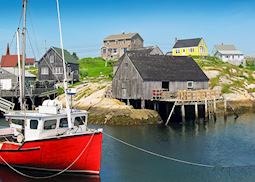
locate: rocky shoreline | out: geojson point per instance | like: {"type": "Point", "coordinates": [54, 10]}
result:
{"type": "Point", "coordinates": [108, 111]}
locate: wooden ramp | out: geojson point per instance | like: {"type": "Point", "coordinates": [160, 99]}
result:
{"type": "Point", "coordinates": [6, 105]}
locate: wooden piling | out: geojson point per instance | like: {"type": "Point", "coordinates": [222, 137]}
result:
{"type": "Point", "coordinates": [169, 117]}
{"type": "Point", "coordinates": [196, 110]}
{"type": "Point", "coordinates": [206, 110]}
{"type": "Point", "coordinates": [183, 112]}
{"type": "Point", "coordinates": [142, 104]}
{"type": "Point", "coordinates": [128, 102]}
{"type": "Point", "coordinates": [155, 106]}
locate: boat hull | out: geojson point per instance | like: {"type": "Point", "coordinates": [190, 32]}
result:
{"type": "Point", "coordinates": [81, 152]}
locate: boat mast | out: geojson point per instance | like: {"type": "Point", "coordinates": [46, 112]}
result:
{"type": "Point", "coordinates": [65, 82]}
{"type": "Point", "coordinates": [23, 100]}
{"type": "Point", "coordinates": [19, 67]}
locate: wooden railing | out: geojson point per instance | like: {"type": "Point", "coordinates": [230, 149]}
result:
{"type": "Point", "coordinates": [185, 95]}
{"type": "Point", "coordinates": [198, 95]}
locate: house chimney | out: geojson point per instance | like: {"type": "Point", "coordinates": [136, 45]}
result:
{"type": "Point", "coordinates": [8, 49]}
{"type": "Point", "coordinates": [123, 33]}
{"type": "Point", "coordinates": [175, 40]}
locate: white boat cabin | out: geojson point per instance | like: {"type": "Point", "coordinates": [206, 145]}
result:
{"type": "Point", "coordinates": [49, 120]}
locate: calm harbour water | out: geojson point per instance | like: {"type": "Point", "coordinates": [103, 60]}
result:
{"type": "Point", "coordinates": [229, 145]}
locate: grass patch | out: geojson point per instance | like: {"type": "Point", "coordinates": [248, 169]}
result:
{"type": "Point", "coordinates": [95, 67]}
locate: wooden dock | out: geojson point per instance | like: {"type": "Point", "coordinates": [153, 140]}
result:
{"type": "Point", "coordinates": [208, 98]}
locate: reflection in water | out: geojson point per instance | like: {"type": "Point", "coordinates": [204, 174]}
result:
{"type": "Point", "coordinates": [7, 175]}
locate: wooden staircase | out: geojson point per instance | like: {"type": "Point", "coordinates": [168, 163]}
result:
{"type": "Point", "coordinates": [6, 105]}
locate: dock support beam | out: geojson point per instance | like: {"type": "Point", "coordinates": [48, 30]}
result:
{"type": "Point", "coordinates": [196, 110]}
{"type": "Point", "coordinates": [206, 110]}
{"type": "Point", "coordinates": [183, 113]}
{"type": "Point", "coordinates": [128, 102]}
{"type": "Point", "coordinates": [169, 117]}
{"type": "Point", "coordinates": [142, 104]}
{"type": "Point", "coordinates": [155, 106]}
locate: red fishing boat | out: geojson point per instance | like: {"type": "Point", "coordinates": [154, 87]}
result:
{"type": "Point", "coordinates": [50, 138]}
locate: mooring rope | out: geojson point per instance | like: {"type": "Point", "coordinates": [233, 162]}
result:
{"type": "Point", "coordinates": [159, 155]}
{"type": "Point", "coordinates": [53, 175]}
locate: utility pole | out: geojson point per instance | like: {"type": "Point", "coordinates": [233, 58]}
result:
{"type": "Point", "coordinates": [24, 8]}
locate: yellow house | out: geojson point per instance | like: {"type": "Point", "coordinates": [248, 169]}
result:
{"type": "Point", "coordinates": [190, 47]}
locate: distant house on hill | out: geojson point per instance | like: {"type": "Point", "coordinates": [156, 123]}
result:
{"type": "Point", "coordinates": [114, 46]}
{"type": "Point", "coordinates": [138, 75]}
{"type": "Point", "coordinates": [229, 53]}
{"type": "Point", "coordinates": [190, 47]}
{"type": "Point", "coordinates": [9, 60]}
{"type": "Point", "coordinates": [50, 66]}
{"type": "Point", "coordinates": [144, 51]}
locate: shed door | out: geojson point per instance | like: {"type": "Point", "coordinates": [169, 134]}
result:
{"type": "Point", "coordinates": [6, 84]}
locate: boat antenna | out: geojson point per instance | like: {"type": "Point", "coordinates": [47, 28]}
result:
{"type": "Point", "coordinates": [68, 110]}
{"type": "Point", "coordinates": [22, 91]}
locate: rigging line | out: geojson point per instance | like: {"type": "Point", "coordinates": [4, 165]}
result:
{"type": "Point", "coordinates": [159, 155]}
{"type": "Point", "coordinates": [53, 175]}
{"type": "Point", "coordinates": [33, 31]}
{"type": "Point", "coordinates": [51, 68]}
{"type": "Point", "coordinates": [20, 18]}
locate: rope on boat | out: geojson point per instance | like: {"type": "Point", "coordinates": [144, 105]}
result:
{"type": "Point", "coordinates": [159, 155]}
{"type": "Point", "coordinates": [53, 175]}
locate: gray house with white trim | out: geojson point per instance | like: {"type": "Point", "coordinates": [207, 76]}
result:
{"type": "Point", "coordinates": [50, 66]}
{"type": "Point", "coordinates": [229, 53]}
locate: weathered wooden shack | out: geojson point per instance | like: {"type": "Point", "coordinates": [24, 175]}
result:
{"type": "Point", "coordinates": [51, 66]}
{"type": "Point", "coordinates": [139, 75]}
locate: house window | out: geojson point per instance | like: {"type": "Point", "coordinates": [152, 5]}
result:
{"type": "Point", "coordinates": [177, 51]}
{"type": "Point", "coordinates": [44, 70]}
{"type": "Point", "coordinates": [124, 50]}
{"type": "Point", "coordinates": [63, 123]}
{"type": "Point", "coordinates": [33, 124]}
{"type": "Point", "coordinates": [104, 51]}
{"type": "Point", "coordinates": [58, 70]}
{"type": "Point", "coordinates": [190, 84]}
{"type": "Point", "coordinates": [183, 50]}
{"type": "Point", "coordinates": [50, 124]}
{"type": "Point", "coordinates": [114, 50]}
{"type": "Point", "coordinates": [191, 50]}
{"type": "Point", "coordinates": [52, 59]}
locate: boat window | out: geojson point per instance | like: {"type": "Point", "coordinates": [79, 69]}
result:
{"type": "Point", "coordinates": [63, 123]}
{"type": "Point", "coordinates": [18, 121]}
{"type": "Point", "coordinates": [50, 124]}
{"type": "Point", "coordinates": [33, 124]}
{"type": "Point", "coordinates": [79, 120]}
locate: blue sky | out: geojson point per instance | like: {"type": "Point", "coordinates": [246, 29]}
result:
{"type": "Point", "coordinates": [87, 22]}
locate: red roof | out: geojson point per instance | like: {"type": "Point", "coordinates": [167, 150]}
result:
{"type": "Point", "coordinates": [12, 61]}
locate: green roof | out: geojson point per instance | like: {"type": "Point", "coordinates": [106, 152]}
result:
{"type": "Point", "coordinates": [69, 58]}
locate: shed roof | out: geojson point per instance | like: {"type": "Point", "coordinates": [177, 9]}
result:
{"type": "Point", "coordinates": [168, 68]}
{"type": "Point", "coordinates": [121, 36]}
{"type": "Point", "coordinates": [187, 43]}
{"type": "Point", "coordinates": [144, 50]}
{"type": "Point", "coordinates": [69, 58]}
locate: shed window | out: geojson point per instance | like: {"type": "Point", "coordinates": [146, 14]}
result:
{"type": "Point", "coordinates": [190, 84]}
{"type": "Point", "coordinates": [50, 124]}
{"type": "Point", "coordinates": [165, 85]}
{"type": "Point", "coordinates": [79, 121]}
{"type": "Point", "coordinates": [63, 123]}
{"type": "Point", "coordinates": [33, 124]}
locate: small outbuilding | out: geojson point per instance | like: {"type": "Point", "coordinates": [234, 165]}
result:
{"type": "Point", "coordinates": [138, 75]}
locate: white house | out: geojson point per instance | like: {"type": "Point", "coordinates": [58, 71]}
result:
{"type": "Point", "coordinates": [229, 53]}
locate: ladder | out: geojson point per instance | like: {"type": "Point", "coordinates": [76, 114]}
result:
{"type": "Point", "coordinates": [6, 105]}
